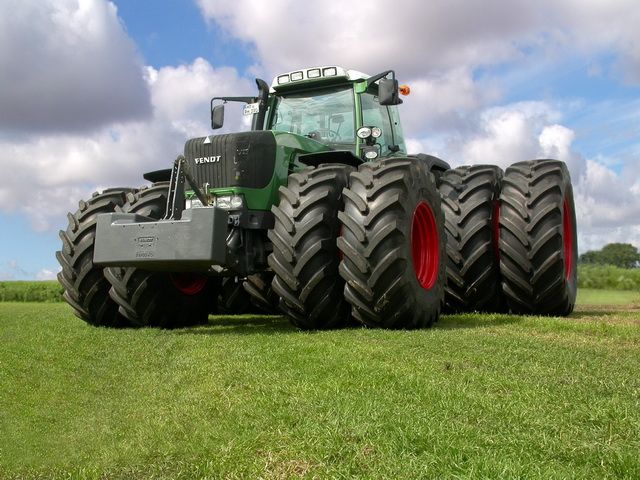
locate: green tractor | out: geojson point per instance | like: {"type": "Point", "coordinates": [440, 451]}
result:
{"type": "Point", "coordinates": [319, 212]}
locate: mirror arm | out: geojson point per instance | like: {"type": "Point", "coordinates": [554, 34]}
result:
{"type": "Point", "coordinates": [377, 77]}
{"type": "Point", "coordinates": [235, 99]}
{"type": "Point", "coordinates": [263, 99]}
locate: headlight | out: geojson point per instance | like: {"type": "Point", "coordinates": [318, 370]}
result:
{"type": "Point", "coordinates": [376, 132]}
{"type": "Point", "coordinates": [229, 202]}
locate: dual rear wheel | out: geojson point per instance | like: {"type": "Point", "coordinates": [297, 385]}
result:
{"type": "Point", "coordinates": [364, 245]}
{"type": "Point", "coordinates": [511, 238]}
{"type": "Point", "coordinates": [538, 242]}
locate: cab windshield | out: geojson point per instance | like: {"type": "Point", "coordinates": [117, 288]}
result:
{"type": "Point", "coordinates": [325, 115]}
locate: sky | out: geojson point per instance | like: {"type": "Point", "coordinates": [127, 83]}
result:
{"type": "Point", "coordinates": [93, 93]}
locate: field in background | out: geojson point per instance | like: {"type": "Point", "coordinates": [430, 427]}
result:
{"type": "Point", "coordinates": [601, 277]}
{"type": "Point", "coordinates": [608, 277]}
{"type": "Point", "coordinates": [23, 291]}
{"type": "Point", "coordinates": [493, 396]}
{"type": "Point", "coordinates": [591, 296]}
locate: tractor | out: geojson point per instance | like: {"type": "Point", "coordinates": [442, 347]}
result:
{"type": "Point", "coordinates": [320, 213]}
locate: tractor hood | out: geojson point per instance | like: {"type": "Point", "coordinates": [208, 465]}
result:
{"type": "Point", "coordinates": [244, 159]}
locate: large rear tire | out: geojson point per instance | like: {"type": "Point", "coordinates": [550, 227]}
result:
{"type": "Point", "coordinates": [159, 299]}
{"type": "Point", "coordinates": [470, 202]}
{"type": "Point", "coordinates": [305, 257]}
{"type": "Point", "coordinates": [538, 242]}
{"type": "Point", "coordinates": [85, 287]}
{"type": "Point", "coordinates": [393, 245]}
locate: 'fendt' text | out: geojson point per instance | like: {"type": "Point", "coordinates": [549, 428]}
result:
{"type": "Point", "coordinates": [212, 159]}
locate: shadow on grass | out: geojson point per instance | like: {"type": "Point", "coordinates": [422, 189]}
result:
{"type": "Point", "coordinates": [476, 320]}
{"type": "Point", "coordinates": [241, 325]}
{"type": "Point", "coordinates": [272, 325]}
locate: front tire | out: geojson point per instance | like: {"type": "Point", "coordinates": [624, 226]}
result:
{"type": "Point", "coordinates": [85, 287]}
{"type": "Point", "coordinates": [305, 258]}
{"type": "Point", "coordinates": [538, 242]}
{"type": "Point", "coordinates": [393, 245]}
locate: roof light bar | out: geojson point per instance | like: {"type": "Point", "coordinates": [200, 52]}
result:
{"type": "Point", "coordinates": [315, 73]}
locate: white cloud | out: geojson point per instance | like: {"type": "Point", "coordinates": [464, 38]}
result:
{"type": "Point", "coordinates": [87, 77]}
{"type": "Point", "coordinates": [421, 38]}
{"type": "Point", "coordinates": [66, 168]}
{"type": "Point", "coordinates": [13, 270]}
{"type": "Point", "coordinates": [445, 102]}
{"type": "Point", "coordinates": [67, 65]}
{"type": "Point", "coordinates": [46, 274]}
{"type": "Point", "coordinates": [607, 201]}
{"type": "Point", "coordinates": [507, 134]}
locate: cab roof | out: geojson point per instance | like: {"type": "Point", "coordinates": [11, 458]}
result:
{"type": "Point", "coordinates": [322, 74]}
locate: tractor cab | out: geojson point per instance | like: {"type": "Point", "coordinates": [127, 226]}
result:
{"type": "Point", "coordinates": [344, 110]}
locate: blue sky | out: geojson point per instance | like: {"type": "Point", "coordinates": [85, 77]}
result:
{"type": "Point", "coordinates": [119, 86]}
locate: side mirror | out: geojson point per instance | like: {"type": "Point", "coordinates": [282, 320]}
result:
{"type": "Point", "coordinates": [217, 116]}
{"type": "Point", "coordinates": [388, 92]}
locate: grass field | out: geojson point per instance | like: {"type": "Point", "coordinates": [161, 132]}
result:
{"type": "Point", "coordinates": [477, 396]}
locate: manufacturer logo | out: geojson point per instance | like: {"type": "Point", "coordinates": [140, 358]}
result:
{"type": "Point", "coordinates": [211, 159]}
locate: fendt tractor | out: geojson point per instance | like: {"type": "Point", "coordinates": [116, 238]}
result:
{"type": "Point", "coordinates": [319, 212]}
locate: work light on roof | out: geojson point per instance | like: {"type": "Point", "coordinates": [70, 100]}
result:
{"type": "Point", "coordinates": [330, 72]}
{"type": "Point", "coordinates": [295, 76]}
{"type": "Point", "coordinates": [283, 79]}
{"type": "Point", "coordinates": [313, 73]}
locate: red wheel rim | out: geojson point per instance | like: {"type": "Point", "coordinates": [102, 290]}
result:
{"type": "Point", "coordinates": [567, 239]}
{"type": "Point", "coordinates": [188, 283]}
{"type": "Point", "coordinates": [495, 228]}
{"type": "Point", "coordinates": [425, 248]}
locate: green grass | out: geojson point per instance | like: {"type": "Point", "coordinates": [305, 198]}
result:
{"type": "Point", "coordinates": [478, 396]}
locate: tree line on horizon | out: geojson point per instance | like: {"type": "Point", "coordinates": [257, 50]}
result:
{"type": "Point", "coordinates": [623, 255]}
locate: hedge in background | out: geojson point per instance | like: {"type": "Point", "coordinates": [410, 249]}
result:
{"type": "Point", "coordinates": [49, 291]}
{"type": "Point", "coordinates": [608, 277]}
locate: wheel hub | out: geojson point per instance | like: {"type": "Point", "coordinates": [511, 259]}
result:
{"type": "Point", "coordinates": [495, 228]}
{"type": "Point", "coordinates": [567, 239]}
{"type": "Point", "coordinates": [188, 283]}
{"type": "Point", "coordinates": [425, 247]}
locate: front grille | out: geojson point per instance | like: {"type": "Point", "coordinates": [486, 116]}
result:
{"type": "Point", "coordinates": [245, 159]}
